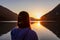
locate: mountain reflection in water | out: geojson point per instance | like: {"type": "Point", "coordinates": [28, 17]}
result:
{"type": "Point", "coordinates": [42, 32]}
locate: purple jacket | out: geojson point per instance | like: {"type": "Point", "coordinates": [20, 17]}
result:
{"type": "Point", "coordinates": [23, 34]}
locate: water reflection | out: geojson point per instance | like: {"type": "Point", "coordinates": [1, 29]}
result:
{"type": "Point", "coordinates": [42, 32]}
{"type": "Point", "coordinates": [37, 25]}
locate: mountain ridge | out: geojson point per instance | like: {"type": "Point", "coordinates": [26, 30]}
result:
{"type": "Point", "coordinates": [54, 17]}
{"type": "Point", "coordinates": [6, 15]}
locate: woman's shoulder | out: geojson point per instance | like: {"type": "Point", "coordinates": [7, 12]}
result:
{"type": "Point", "coordinates": [32, 35]}
{"type": "Point", "coordinates": [14, 29]}
{"type": "Point", "coordinates": [32, 32]}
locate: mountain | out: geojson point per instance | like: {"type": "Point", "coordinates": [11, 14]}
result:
{"type": "Point", "coordinates": [34, 19]}
{"type": "Point", "coordinates": [6, 15]}
{"type": "Point", "coordinates": [51, 20]}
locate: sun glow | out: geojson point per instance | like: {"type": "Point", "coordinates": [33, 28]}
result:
{"type": "Point", "coordinates": [36, 25]}
{"type": "Point", "coordinates": [38, 15]}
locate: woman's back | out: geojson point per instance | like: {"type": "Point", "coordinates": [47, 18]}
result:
{"type": "Point", "coordinates": [23, 34]}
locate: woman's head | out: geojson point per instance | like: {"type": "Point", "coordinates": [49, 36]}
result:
{"type": "Point", "coordinates": [23, 20]}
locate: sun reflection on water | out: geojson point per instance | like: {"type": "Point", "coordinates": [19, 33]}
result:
{"type": "Point", "coordinates": [36, 25]}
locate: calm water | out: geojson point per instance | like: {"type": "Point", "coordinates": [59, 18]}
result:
{"type": "Point", "coordinates": [42, 32]}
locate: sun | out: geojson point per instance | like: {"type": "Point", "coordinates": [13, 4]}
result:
{"type": "Point", "coordinates": [38, 15]}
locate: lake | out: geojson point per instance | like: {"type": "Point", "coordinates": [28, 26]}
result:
{"type": "Point", "coordinates": [42, 32]}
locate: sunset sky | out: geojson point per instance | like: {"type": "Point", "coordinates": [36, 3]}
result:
{"type": "Point", "coordinates": [36, 8]}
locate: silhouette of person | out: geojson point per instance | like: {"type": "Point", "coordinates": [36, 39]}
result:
{"type": "Point", "coordinates": [24, 31]}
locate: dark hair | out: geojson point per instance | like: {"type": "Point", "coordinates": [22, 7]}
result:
{"type": "Point", "coordinates": [23, 20]}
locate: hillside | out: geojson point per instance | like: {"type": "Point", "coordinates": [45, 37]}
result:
{"type": "Point", "coordinates": [52, 20]}
{"type": "Point", "coordinates": [6, 15]}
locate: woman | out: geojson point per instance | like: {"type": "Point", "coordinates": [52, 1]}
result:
{"type": "Point", "coordinates": [24, 31]}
